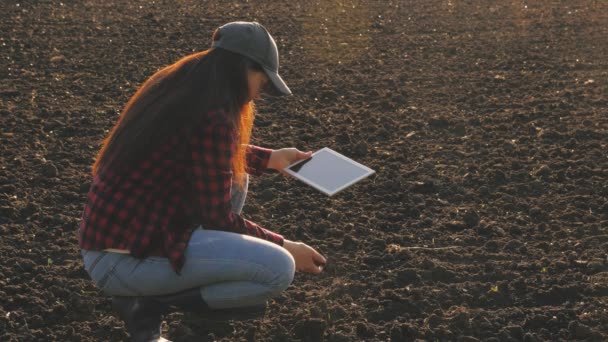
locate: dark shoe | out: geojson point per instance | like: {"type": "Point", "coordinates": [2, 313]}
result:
{"type": "Point", "coordinates": [192, 301]}
{"type": "Point", "coordinates": [188, 300]}
{"type": "Point", "coordinates": [142, 317]}
{"type": "Point", "coordinates": [237, 314]}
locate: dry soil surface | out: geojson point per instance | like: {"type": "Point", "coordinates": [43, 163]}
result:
{"type": "Point", "coordinates": [486, 122]}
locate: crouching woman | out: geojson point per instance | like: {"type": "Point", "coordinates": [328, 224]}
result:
{"type": "Point", "coordinates": [161, 229]}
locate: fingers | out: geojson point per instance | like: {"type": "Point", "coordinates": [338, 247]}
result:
{"type": "Point", "coordinates": [303, 155]}
{"type": "Point", "coordinates": [307, 258]}
{"type": "Point", "coordinates": [312, 266]}
{"type": "Point", "coordinates": [318, 262]}
{"type": "Point", "coordinates": [316, 269]}
{"type": "Point", "coordinates": [318, 259]}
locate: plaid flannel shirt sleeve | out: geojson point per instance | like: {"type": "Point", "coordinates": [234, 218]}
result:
{"type": "Point", "coordinates": [211, 153]}
{"type": "Point", "coordinates": [257, 159]}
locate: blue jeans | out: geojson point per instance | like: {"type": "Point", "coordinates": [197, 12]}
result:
{"type": "Point", "coordinates": [231, 270]}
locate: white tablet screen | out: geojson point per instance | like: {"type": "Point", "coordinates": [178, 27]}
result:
{"type": "Point", "coordinates": [329, 171]}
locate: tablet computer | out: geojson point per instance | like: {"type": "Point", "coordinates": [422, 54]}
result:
{"type": "Point", "coordinates": [328, 171]}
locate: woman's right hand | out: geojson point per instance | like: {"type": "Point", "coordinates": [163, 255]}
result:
{"type": "Point", "coordinates": [307, 258]}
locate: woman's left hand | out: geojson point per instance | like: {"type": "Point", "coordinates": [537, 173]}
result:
{"type": "Point", "coordinates": [279, 159]}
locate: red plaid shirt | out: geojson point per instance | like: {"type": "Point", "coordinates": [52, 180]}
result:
{"type": "Point", "coordinates": [152, 209]}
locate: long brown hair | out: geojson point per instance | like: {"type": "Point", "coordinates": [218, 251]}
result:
{"type": "Point", "coordinates": [173, 98]}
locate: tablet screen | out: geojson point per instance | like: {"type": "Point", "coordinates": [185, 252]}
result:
{"type": "Point", "coordinates": [329, 171]}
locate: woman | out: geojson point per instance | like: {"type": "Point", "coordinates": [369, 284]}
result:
{"type": "Point", "coordinates": [161, 229]}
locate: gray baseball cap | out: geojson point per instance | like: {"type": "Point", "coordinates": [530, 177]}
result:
{"type": "Point", "coordinates": [252, 40]}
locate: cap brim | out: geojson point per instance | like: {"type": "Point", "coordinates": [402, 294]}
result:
{"type": "Point", "coordinates": [277, 86]}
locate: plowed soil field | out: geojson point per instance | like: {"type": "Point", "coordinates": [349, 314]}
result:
{"type": "Point", "coordinates": [486, 122]}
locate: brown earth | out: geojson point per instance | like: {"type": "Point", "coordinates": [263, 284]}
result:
{"type": "Point", "coordinates": [486, 122]}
